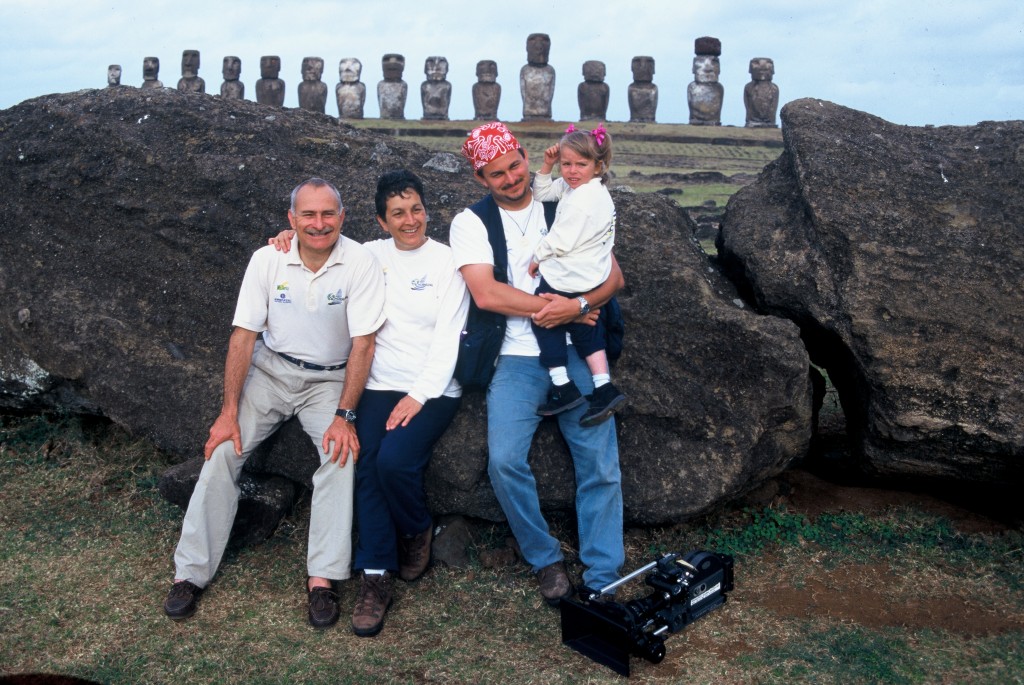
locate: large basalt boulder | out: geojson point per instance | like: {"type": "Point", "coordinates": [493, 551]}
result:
{"type": "Point", "coordinates": [128, 218]}
{"type": "Point", "coordinates": [900, 253]}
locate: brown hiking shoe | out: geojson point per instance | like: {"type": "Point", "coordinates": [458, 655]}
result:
{"type": "Point", "coordinates": [414, 555]}
{"type": "Point", "coordinates": [372, 603]}
{"type": "Point", "coordinates": [554, 583]}
{"type": "Point", "coordinates": [182, 600]}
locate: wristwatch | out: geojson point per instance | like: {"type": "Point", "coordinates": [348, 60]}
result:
{"type": "Point", "coordinates": [584, 305]}
{"type": "Point", "coordinates": [347, 414]}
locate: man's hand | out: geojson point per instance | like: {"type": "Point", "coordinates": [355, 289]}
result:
{"type": "Point", "coordinates": [343, 435]}
{"type": "Point", "coordinates": [282, 242]}
{"type": "Point", "coordinates": [223, 429]}
{"type": "Point", "coordinates": [562, 310]}
{"type": "Point", "coordinates": [403, 412]}
{"type": "Point", "coordinates": [534, 267]}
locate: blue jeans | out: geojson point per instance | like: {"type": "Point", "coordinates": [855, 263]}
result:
{"type": "Point", "coordinates": [390, 500]}
{"type": "Point", "coordinates": [519, 385]}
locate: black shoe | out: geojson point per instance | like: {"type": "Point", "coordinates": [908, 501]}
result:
{"type": "Point", "coordinates": [182, 600]}
{"type": "Point", "coordinates": [323, 607]}
{"type": "Point", "coordinates": [561, 398]}
{"type": "Point", "coordinates": [603, 403]}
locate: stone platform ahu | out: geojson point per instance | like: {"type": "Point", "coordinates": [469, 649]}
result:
{"type": "Point", "coordinates": [899, 251]}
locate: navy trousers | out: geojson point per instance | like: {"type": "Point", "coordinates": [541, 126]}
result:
{"type": "Point", "coordinates": [389, 498]}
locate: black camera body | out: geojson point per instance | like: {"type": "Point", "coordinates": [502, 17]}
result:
{"type": "Point", "coordinates": [685, 588]}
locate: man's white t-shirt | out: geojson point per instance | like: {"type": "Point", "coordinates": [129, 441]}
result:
{"type": "Point", "coordinates": [524, 229]}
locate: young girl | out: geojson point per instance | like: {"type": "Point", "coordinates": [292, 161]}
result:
{"type": "Point", "coordinates": [573, 258]}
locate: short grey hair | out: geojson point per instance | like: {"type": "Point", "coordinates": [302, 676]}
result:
{"type": "Point", "coordinates": [316, 182]}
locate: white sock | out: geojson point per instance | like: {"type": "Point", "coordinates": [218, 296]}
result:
{"type": "Point", "coordinates": [602, 379]}
{"type": "Point", "coordinates": [374, 571]}
{"type": "Point", "coordinates": [559, 375]}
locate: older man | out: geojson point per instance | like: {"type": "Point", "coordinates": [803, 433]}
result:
{"type": "Point", "coordinates": [520, 383]}
{"type": "Point", "coordinates": [318, 308]}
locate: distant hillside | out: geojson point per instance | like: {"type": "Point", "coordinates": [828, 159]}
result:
{"type": "Point", "coordinates": [698, 166]}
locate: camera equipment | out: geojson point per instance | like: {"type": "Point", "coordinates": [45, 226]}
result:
{"type": "Point", "coordinates": [685, 589]}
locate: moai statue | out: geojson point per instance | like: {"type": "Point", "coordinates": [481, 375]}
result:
{"type": "Point", "coordinates": [190, 81]}
{"type": "Point", "coordinates": [114, 76]}
{"type": "Point", "coordinates": [761, 96]}
{"type": "Point", "coordinates": [643, 94]}
{"type": "Point", "coordinates": [486, 91]}
{"type": "Point", "coordinates": [592, 94]}
{"type": "Point", "coordinates": [350, 92]}
{"type": "Point", "coordinates": [313, 91]}
{"type": "Point", "coordinates": [392, 91]}
{"type": "Point", "coordinates": [270, 89]}
{"type": "Point", "coordinates": [705, 94]}
{"type": "Point", "coordinates": [150, 72]}
{"type": "Point", "coordinates": [436, 91]}
{"type": "Point", "coordinates": [537, 79]}
{"type": "Point", "coordinates": [232, 88]}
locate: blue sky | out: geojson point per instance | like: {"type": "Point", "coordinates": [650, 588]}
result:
{"type": "Point", "coordinates": [914, 62]}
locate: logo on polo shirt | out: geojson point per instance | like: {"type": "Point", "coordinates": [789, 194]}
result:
{"type": "Point", "coordinates": [282, 294]}
{"type": "Point", "coordinates": [421, 283]}
{"type": "Point", "coordinates": [336, 297]}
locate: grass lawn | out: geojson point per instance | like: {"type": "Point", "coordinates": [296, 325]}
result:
{"type": "Point", "coordinates": [905, 592]}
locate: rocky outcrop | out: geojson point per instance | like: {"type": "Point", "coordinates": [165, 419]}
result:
{"type": "Point", "coordinates": [899, 252]}
{"type": "Point", "coordinates": [127, 220]}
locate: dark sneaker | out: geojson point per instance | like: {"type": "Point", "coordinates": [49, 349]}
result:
{"type": "Point", "coordinates": [561, 398]}
{"type": "Point", "coordinates": [182, 600]}
{"type": "Point", "coordinates": [554, 583]}
{"type": "Point", "coordinates": [372, 603]}
{"type": "Point", "coordinates": [414, 555]}
{"type": "Point", "coordinates": [603, 403]}
{"type": "Point", "coordinates": [323, 607]}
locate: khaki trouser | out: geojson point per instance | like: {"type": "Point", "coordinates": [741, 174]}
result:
{"type": "Point", "coordinates": [274, 391]}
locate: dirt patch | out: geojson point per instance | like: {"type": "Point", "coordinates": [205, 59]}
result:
{"type": "Point", "coordinates": [876, 598]}
{"type": "Point", "coordinates": [813, 495]}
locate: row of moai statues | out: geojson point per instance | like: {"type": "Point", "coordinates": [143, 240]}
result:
{"type": "Point", "coordinates": [705, 95]}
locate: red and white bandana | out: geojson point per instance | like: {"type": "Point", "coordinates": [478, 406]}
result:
{"type": "Point", "coordinates": [488, 142]}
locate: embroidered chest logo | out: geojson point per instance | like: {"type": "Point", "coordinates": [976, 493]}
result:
{"type": "Point", "coordinates": [336, 297]}
{"type": "Point", "coordinates": [282, 294]}
{"type": "Point", "coordinates": [421, 283]}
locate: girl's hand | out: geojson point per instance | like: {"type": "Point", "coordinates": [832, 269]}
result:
{"type": "Point", "coordinates": [550, 159]}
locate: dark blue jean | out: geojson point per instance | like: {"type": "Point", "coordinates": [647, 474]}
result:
{"type": "Point", "coordinates": [585, 338]}
{"type": "Point", "coordinates": [389, 497]}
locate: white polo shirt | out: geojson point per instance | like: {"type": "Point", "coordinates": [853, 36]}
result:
{"type": "Point", "coordinates": [312, 316]}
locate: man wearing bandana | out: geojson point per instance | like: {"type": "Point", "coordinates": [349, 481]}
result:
{"type": "Point", "coordinates": [520, 383]}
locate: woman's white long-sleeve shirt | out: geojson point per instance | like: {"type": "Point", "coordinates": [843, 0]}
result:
{"type": "Point", "coordinates": [426, 303]}
{"type": "Point", "coordinates": [575, 255]}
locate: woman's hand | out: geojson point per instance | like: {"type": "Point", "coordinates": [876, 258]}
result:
{"type": "Point", "coordinates": [282, 242]}
{"type": "Point", "coordinates": [403, 412]}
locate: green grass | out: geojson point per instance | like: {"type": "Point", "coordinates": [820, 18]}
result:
{"type": "Point", "coordinates": [85, 559]}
